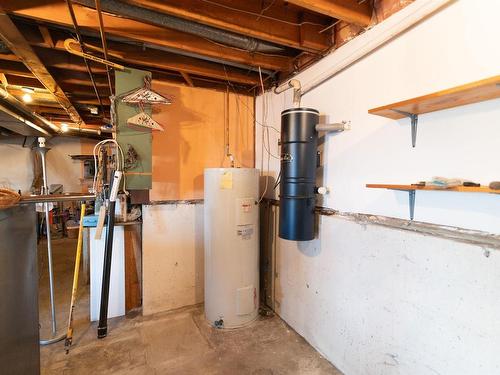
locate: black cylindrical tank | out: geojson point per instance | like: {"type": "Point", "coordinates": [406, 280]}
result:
{"type": "Point", "coordinates": [299, 142]}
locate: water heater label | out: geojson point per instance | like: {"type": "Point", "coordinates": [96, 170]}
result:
{"type": "Point", "coordinates": [245, 231]}
{"type": "Point", "coordinates": [226, 180]}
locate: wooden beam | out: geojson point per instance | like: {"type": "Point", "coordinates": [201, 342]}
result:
{"type": "Point", "coordinates": [247, 18]}
{"type": "Point", "coordinates": [24, 81]}
{"type": "Point", "coordinates": [152, 58]}
{"type": "Point", "coordinates": [57, 13]}
{"type": "Point", "coordinates": [346, 10]}
{"type": "Point", "coordinates": [15, 68]}
{"type": "Point", "coordinates": [187, 78]}
{"type": "Point", "coordinates": [47, 38]}
{"type": "Point", "coordinates": [18, 44]}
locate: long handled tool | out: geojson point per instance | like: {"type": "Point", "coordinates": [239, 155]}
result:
{"type": "Point", "coordinates": [102, 328]}
{"type": "Point", "coordinates": [42, 149]}
{"type": "Point", "coordinates": [69, 333]}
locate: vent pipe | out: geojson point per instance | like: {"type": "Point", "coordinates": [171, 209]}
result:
{"type": "Point", "coordinates": [165, 20]}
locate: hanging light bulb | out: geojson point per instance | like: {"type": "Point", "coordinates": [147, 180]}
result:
{"type": "Point", "coordinates": [27, 98]}
{"type": "Point", "coordinates": [64, 127]}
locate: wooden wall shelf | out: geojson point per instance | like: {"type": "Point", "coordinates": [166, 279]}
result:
{"type": "Point", "coordinates": [474, 92]}
{"type": "Point", "coordinates": [462, 189]}
{"type": "Point", "coordinates": [412, 188]}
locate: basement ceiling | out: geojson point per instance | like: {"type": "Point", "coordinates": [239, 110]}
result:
{"type": "Point", "coordinates": [203, 43]}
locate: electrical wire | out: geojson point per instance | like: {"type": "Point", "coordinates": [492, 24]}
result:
{"type": "Point", "coordinates": [120, 162]}
{"type": "Point", "coordinates": [250, 111]}
{"type": "Point", "coordinates": [266, 131]}
{"type": "Point", "coordinates": [82, 47]}
{"type": "Point", "coordinates": [262, 15]}
{"type": "Point", "coordinates": [104, 44]}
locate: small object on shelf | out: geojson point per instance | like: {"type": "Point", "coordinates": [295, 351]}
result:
{"type": "Point", "coordinates": [495, 185]}
{"type": "Point", "coordinates": [471, 184]}
{"type": "Point", "coordinates": [444, 183]}
{"type": "Point", "coordinates": [474, 92]}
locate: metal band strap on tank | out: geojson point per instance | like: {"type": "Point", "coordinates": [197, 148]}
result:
{"type": "Point", "coordinates": [299, 111]}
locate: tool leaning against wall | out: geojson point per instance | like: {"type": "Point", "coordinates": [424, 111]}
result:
{"type": "Point", "coordinates": [107, 196]}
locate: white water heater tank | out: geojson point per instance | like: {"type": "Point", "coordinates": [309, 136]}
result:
{"type": "Point", "coordinates": [231, 221]}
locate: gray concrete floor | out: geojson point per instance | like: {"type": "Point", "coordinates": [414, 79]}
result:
{"type": "Point", "coordinates": [178, 342]}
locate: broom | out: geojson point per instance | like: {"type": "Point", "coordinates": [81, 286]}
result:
{"type": "Point", "coordinates": [69, 334]}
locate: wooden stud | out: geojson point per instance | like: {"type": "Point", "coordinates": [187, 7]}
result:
{"type": "Point", "coordinates": [347, 10]}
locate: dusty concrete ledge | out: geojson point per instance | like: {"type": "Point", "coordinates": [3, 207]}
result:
{"type": "Point", "coordinates": [181, 201]}
{"type": "Point", "coordinates": [474, 237]}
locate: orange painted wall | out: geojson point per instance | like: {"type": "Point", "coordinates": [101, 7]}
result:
{"type": "Point", "coordinates": [194, 138]}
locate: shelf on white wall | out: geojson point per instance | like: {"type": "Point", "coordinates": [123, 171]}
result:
{"type": "Point", "coordinates": [412, 188]}
{"type": "Point", "coordinates": [473, 92]}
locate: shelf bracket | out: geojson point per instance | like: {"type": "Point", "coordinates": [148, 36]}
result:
{"type": "Point", "coordinates": [411, 203]}
{"type": "Point", "coordinates": [414, 121]}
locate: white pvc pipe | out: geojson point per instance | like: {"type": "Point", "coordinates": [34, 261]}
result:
{"type": "Point", "coordinates": [372, 39]}
{"type": "Point", "coordinates": [337, 127]}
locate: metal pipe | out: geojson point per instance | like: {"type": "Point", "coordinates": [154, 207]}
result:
{"type": "Point", "coordinates": [42, 149]}
{"type": "Point", "coordinates": [56, 198]}
{"type": "Point", "coordinates": [103, 40]}
{"type": "Point", "coordinates": [338, 127]}
{"type": "Point", "coordinates": [165, 20]}
{"type": "Point", "coordinates": [82, 46]}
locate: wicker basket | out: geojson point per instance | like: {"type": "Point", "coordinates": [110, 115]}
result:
{"type": "Point", "coordinates": [8, 198]}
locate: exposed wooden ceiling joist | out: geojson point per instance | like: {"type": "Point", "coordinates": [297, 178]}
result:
{"type": "Point", "coordinates": [18, 44]}
{"type": "Point", "coordinates": [352, 11]}
{"type": "Point", "coordinates": [278, 25]}
{"type": "Point", "coordinates": [56, 13]}
{"type": "Point", "coordinates": [147, 57]}
{"type": "Point", "coordinates": [187, 78]}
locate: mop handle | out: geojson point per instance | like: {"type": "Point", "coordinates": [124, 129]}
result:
{"type": "Point", "coordinates": [69, 335]}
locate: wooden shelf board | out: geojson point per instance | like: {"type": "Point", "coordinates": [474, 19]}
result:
{"type": "Point", "coordinates": [462, 189]}
{"type": "Point", "coordinates": [474, 92]}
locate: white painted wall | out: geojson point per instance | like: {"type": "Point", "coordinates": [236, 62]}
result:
{"type": "Point", "coordinates": [16, 166]}
{"type": "Point", "coordinates": [381, 301]}
{"type": "Point", "coordinates": [172, 256]}
{"type": "Point", "coordinates": [453, 47]}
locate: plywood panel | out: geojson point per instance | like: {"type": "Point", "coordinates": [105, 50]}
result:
{"type": "Point", "coordinates": [194, 138]}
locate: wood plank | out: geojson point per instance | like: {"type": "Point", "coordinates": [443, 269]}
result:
{"type": "Point", "coordinates": [56, 13]}
{"type": "Point", "coordinates": [133, 266]}
{"type": "Point", "coordinates": [187, 78]}
{"type": "Point", "coordinates": [470, 93]}
{"type": "Point", "coordinates": [461, 189]}
{"type": "Point", "coordinates": [152, 58]}
{"type": "Point", "coordinates": [346, 10]}
{"type": "Point", "coordinates": [47, 38]}
{"type": "Point", "coordinates": [16, 42]}
{"type": "Point", "coordinates": [247, 18]}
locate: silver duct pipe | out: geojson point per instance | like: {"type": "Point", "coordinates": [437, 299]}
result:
{"type": "Point", "coordinates": [190, 27]}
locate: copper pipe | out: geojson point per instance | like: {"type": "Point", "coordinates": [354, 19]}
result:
{"type": "Point", "coordinates": [103, 39]}
{"type": "Point", "coordinates": [82, 46]}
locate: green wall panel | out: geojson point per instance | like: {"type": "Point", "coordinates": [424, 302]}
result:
{"type": "Point", "coordinates": [139, 139]}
